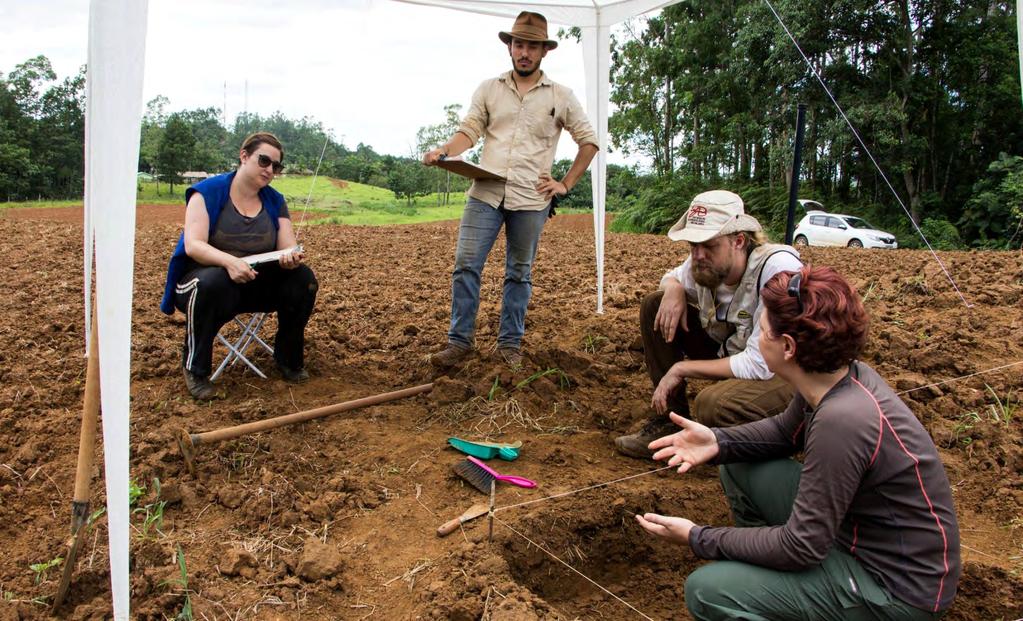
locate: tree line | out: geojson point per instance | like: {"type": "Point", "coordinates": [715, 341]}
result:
{"type": "Point", "coordinates": [200, 140]}
{"type": "Point", "coordinates": [708, 92]}
{"type": "Point", "coordinates": [41, 132]}
{"type": "Point", "coordinates": [704, 95]}
{"type": "Point", "coordinates": [42, 136]}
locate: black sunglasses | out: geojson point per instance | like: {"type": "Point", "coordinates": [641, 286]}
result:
{"type": "Point", "coordinates": [264, 161]}
{"type": "Point", "coordinates": [794, 283]}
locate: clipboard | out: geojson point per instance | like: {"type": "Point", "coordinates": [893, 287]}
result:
{"type": "Point", "coordinates": [467, 169]}
{"type": "Point", "coordinates": [266, 257]}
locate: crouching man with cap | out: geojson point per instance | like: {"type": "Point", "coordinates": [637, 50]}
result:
{"type": "Point", "coordinates": [703, 323]}
{"type": "Point", "coordinates": [519, 115]}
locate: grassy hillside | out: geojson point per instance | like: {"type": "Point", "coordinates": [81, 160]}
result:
{"type": "Point", "coordinates": [331, 201]}
{"type": "Point", "coordinates": [344, 202]}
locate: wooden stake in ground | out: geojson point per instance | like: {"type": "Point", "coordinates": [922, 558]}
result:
{"type": "Point", "coordinates": [493, 496]}
{"type": "Point", "coordinates": [83, 472]}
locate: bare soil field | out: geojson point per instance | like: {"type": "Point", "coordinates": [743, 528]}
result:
{"type": "Point", "coordinates": [336, 519]}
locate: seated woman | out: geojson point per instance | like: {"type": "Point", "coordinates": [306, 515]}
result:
{"type": "Point", "coordinates": [865, 528]}
{"type": "Point", "coordinates": [230, 216]}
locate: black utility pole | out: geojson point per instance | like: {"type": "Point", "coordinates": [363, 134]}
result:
{"type": "Point", "coordinates": [797, 159]}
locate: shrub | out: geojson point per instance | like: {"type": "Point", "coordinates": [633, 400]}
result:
{"type": "Point", "coordinates": [942, 234]}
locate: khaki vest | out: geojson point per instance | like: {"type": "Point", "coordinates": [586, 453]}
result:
{"type": "Point", "coordinates": [739, 319]}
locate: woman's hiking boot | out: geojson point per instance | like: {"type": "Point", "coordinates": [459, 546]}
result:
{"type": "Point", "coordinates": [200, 387]}
{"type": "Point", "coordinates": [292, 376]}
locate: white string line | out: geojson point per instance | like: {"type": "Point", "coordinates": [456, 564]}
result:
{"type": "Point", "coordinates": [631, 476]}
{"type": "Point", "coordinates": [553, 556]}
{"type": "Point", "coordinates": [312, 183]}
{"type": "Point", "coordinates": [955, 379]}
{"type": "Point", "coordinates": [641, 474]}
{"type": "Point", "coordinates": [869, 154]}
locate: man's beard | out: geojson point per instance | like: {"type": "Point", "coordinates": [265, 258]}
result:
{"type": "Point", "coordinates": [709, 276]}
{"type": "Point", "coordinates": [525, 73]}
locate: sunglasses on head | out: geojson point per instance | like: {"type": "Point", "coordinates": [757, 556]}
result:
{"type": "Point", "coordinates": [264, 161]}
{"type": "Point", "coordinates": [793, 290]}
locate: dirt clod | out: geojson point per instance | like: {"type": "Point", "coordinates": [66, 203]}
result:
{"type": "Point", "coordinates": [318, 561]}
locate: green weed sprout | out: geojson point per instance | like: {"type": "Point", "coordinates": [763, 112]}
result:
{"type": "Point", "coordinates": [186, 608]}
{"type": "Point", "coordinates": [135, 491]}
{"type": "Point", "coordinates": [494, 389]}
{"type": "Point", "coordinates": [592, 343]}
{"type": "Point", "coordinates": [563, 379]}
{"type": "Point", "coordinates": [1005, 411]}
{"type": "Point", "coordinates": [40, 569]}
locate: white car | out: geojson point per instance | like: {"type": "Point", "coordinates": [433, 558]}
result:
{"type": "Point", "coordinates": [818, 228]}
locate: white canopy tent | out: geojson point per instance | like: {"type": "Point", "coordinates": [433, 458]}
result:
{"type": "Point", "coordinates": [117, 37]}
{"type": "Point", "coordinates": [113, 119]}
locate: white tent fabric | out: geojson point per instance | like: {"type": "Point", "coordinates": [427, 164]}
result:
{"type": "Point", "coordinates": [594, 18]}
{"type": "Point", "coordinates": [113, 117]}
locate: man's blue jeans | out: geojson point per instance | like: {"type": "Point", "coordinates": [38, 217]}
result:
{"type": "Point", "coordinates": [476, 235]}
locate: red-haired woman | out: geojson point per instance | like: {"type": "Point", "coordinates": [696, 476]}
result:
{"type": "Point", "coordinates": [865, 527]}
{"type": "Point", "coordinates": [228, 217]}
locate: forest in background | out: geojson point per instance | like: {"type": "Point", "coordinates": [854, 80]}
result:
{"type": "Point", "coordinates": [705, 92]}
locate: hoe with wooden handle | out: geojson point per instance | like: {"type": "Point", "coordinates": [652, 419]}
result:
{"type": "Point", "coordinates": [83, 472]}
{"type": "Point", "coordinates": [190, 442]}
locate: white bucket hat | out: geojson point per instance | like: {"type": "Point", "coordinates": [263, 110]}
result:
{"type": "Point", "coordinates": [713, 214]}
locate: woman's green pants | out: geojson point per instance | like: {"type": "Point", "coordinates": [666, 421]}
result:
{"type": "Point", "coordinates": [762, 494]}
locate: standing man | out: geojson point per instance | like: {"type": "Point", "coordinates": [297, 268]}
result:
{"type": "Point", "coordinates": [519, 115]}
{"type": "Point", "coordinates": [703, 323]}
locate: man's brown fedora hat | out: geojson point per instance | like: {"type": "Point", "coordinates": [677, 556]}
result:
{"type": "Point", "coordinates": [529, 27]}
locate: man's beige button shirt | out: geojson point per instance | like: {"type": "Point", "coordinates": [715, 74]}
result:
{"type": "Point", "coordinates": [520, 136]}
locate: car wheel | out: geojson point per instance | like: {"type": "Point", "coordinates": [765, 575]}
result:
{"type": "Point", "coordinates": [855, 243]}
{"type": "Point", "coordinates": [800, 241]}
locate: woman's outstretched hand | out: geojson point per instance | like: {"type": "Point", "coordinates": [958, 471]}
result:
{"type": "Point", "coordinates": [674, 529]}
{"type": "Point", "coordinates": [695, 444]}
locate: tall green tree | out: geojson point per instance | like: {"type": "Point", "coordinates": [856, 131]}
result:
{"type": "Point", "coordinates": [153, 121]}
{"type": "Point", "coordinates": [42, 125]}
{"type": "Point", "coordinates": [409, 179]}
{"type": "Point", "coordinates": [176, 150]}
{"type": "Point", "coordinates": [432, 136]}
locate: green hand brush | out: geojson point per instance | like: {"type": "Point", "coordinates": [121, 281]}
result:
{"type": "Point", "coordinates": [486, 450]}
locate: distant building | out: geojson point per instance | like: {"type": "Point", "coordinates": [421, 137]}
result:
{"type": "Point", "coordinates": [194, 176]}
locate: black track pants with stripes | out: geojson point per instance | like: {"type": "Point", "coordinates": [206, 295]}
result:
{"type": "Point", "coordinates": [209, 299]}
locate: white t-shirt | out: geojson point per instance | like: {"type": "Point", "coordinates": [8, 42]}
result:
{"type": "Point", "coordinates": [749, 363]}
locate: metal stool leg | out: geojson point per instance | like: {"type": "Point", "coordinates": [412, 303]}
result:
{"type": "Point", "coordinates": [236, 351]}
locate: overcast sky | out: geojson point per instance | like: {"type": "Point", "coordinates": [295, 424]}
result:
{"type": "Point", "coordinates": [372, 71]}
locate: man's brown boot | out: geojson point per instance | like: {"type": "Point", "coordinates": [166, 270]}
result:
{"type": "Point", "coordinates": [450, 356]}
{"type": "Point", "coordinates": [512, 356]}
{"type": "Point", "coordinates": [635, 444]}
{"type": "Point", "coordinates": [200, 387]}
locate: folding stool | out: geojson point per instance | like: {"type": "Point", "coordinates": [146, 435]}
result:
{"type": "Point", "coordinates": [236, 351]}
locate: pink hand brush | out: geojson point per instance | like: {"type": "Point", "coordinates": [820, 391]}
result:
{"type": "Point", "coordinates": [479, 475]}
